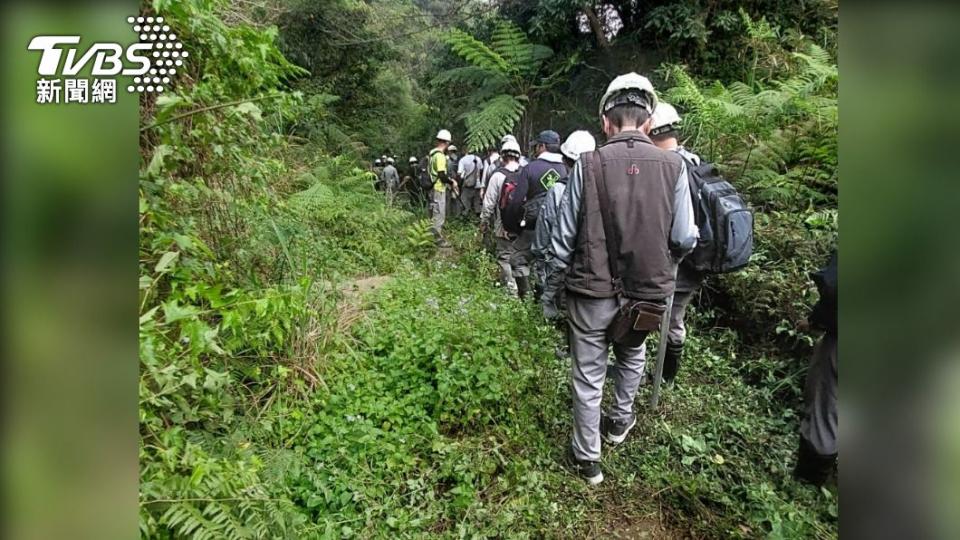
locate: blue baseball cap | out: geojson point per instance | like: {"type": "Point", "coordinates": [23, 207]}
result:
{"type": "Point", "coordinates": [547, 137]}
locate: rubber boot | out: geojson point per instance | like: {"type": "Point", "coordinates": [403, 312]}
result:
{"type": "Point", "coordinates": [523, 286]}
{"type": "Point", "coordinates": [671, 362]}
{"type": "Point", "coordinates": [813, 468]}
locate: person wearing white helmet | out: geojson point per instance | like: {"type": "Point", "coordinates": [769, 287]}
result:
{"type": "Point", "coordinates": [577, 143]}
{"type": "Point", "coordinates": [511, 266]}
{"type": "Point", "coordinates": [408, 181]}
{"type": "Point", "coordinates": [510, 137]}
{"type": "Point", "coordinates": [391, 180]}
{"type": "Point", "coordinates": [438, 174]}
{"type": "Point", "coordinates": [624, 221]}
{"type": "Point", "coordinates": [665, 134]}
{"type": "Point", "coordinates": [469, 170]}
{"type": "Point", "coordinates": [378, 173]}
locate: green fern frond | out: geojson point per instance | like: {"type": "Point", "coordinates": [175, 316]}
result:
{"type": "Point", "coordinates": [476, 52]}
{"type": "Point", "coordinates": [470, 75]}
{"type": "Point", "coordinates": [512, 44]}
{"type": "Point", "coordinates": [492, 120]}
{"type": "Point", "coordinates": [820, 54]}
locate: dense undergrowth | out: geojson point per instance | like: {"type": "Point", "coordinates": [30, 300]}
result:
{"type": "Point", "coordinates": [278, 400]}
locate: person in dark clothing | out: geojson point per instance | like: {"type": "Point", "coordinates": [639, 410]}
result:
{"type": "Point", "coordinates": [818, 428]}
{"type": "Point", "coordinates": [650, 217]}
{"type": "Point", "coordinates": [665, 134]}
{"type": "Point", "coordinates": [539, 175]}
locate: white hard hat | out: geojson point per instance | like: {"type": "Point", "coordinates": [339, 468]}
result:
{"type": "Point", "coordinates": [444, 135]}
{"type": "Point", "coordinates": [507, 137]}
{"type": "Point", "coordinates": [577, 143]}
{"type": "Point", "coordinates": [452, 148]}
{"type": "Point", "coordinates": [665, 118]}
{"type": "Point", "coordinates": [510, 146]}
{"type": "Point", "coordinates": [389, 160]}
{"type": "Point", "coordinates": [619, 88]}
{"type": "Point", "coordinates": [413, 159]}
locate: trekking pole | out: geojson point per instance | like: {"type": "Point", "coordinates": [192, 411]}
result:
{"type": "Point", "coordinates": [661, 352]}
{"type": "Point", "coordinates": [457, 193]}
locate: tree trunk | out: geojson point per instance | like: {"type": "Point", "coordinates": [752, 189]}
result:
{"type": "Point", "coordinates": [596, 26]}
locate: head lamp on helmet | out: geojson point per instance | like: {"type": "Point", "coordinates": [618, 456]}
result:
{"type": "Point", "coordinates": [665, 119]}
{"type": "Point", "coordinates": [629, 89]}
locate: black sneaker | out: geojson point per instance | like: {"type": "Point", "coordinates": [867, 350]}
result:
{"type": "Point", "coordinates": [615, 432]}
{"type": "Point", "coordinates": [588, 470]}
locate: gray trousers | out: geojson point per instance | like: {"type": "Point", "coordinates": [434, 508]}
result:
{"type": "Point", "coordinates": [819, 423]}
{"type": "Point", "coordinates": [553, 298]}
{"type": "Point", "coordinates": [589, 319]}
{"type": "Point", "coordinates": [677, 332]}
{"type": "Point", "coordinates": [438, 210]}
{"type": "Point", "coordinates": [471, 200]}
{"type": "Point", "coordinates": [512, 262]}
{"type": "Point", "coordinates": [391, 188]}
{"type": "Point", "coordinates": [453, 206]}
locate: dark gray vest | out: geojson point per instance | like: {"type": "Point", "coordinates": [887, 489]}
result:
{"type": "Point", "coordinates": [641, 180]}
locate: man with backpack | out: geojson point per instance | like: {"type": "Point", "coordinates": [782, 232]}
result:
{"type": "Point", "coordinates": [489, 166]}
{"type": "Point", "coordinates": [440, 180]}
{"type": "Point", "coordinates": [504, 179]}
{"type": "Point", "coordinates": [552, 303]}
{"type": "Point", "coordinates": [546, 168]}
{"type": "Point", "coordinates": [412, 181]}
{"type": "Point", "coordinates": [665, 133]}
{"type": "Point", "coordinates": [520, 207]}
{"type": "Point", "coordinates": [469, 169]}
{"type": "Point", "coordinates": [625, 220]}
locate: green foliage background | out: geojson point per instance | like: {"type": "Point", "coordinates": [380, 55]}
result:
{"type": "Point", "coordinates": [279, 398]}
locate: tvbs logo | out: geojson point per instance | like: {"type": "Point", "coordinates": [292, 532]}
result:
{"type": "Point", "coordinates": [152, 61]}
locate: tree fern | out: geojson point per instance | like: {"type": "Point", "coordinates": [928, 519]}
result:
{"type": "Point", "coordinates": [477, 53]}
{"type": "Point", "coordinates": [513, 46]}
{"type": "Point", "coordinates": [504, 75]}
{"type": "Point", "coordinates": [471, 75]}
{"type": "Point", "coordinates": [494, 118]}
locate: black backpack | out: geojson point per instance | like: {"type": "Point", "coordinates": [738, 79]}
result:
{"type": "Point", "coordinates": [513, 193]}
{"type": "Point", "coordinates": [425, 181]}
{"type": "Point", "coordinates": [724, 220]}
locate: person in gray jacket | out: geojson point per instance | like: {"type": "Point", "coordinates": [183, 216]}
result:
{"type": "Point", "coordinates": [664, 132]}
{"type": "Point", "coordinates": [469, 170]}
{"type": "Point", "coordinates": [577, 143]}
{"type": "Point", "coordinates": [509, 257]}
{"type": "Point", "coordinates": [650, 210]}
{"type": "Point", "coordinates": [391, 180]}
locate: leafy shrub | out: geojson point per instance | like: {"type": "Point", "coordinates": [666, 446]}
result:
{"type": "Point", "coordinates": [778, 144]}
{"type": "Point", "coordinates": [272, 405]}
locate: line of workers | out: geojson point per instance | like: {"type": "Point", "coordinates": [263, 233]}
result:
{"type": "Point", "coordinates": [608, 232]}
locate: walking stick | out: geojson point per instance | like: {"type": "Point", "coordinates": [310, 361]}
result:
{"type": "Point", "coordinates": [662, 348]}
{"type": "Point", "coordinates": [457, 193]}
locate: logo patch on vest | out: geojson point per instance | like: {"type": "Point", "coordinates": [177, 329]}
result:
{"type": "Point", "coordinates": [549, 178]}
{"type": "Point", "coordinates": [633, 170]}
